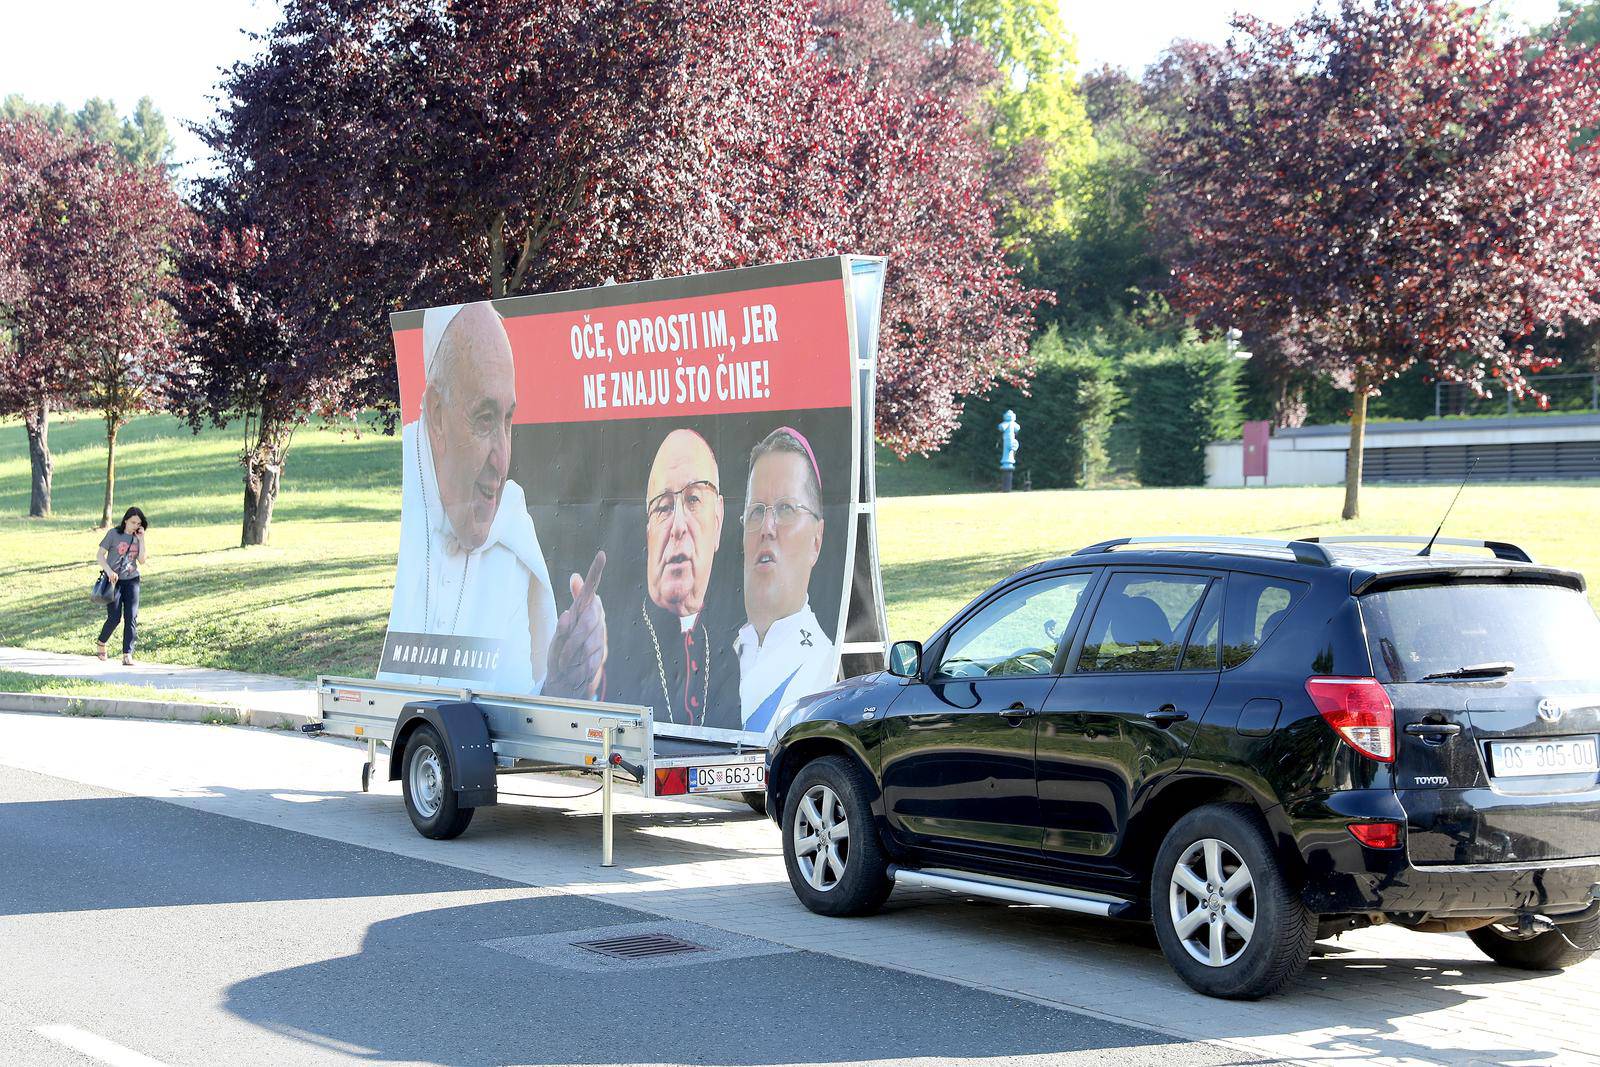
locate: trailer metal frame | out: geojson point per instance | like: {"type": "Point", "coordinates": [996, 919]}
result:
{"type": "Point", "coordinates": [526, 734]}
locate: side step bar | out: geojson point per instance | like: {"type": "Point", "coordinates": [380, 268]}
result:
{"type": "Point", "coordinates": [1016, 891]}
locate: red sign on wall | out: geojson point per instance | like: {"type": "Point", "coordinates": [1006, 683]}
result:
{"type": "Point", "coordinates": [1256, 438]}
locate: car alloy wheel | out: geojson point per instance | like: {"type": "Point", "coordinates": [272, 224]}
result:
{"type": "Point", "coordinates": [427, 782]}
{"type": "Point", "coordinates": [1213, 902]}
{"type": "Point", "coordinates": [821, 838]}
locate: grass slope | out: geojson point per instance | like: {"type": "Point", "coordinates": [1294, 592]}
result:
{"type": "Point", "coordinates": [316, 599]}
{"type": "Point", "coordinates": [52, 685]}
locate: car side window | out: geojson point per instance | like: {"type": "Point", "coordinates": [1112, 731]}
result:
{"type": "Point", "coordinates": [1200, 654]}
{"type": "Point", "coordinates": [1018, 633]}
{"type": "Point", "coordinates": [1256, 604]}
{"type": "Point", "coordinates": [1141, 622]}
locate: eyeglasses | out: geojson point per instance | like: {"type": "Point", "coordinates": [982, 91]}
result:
{"type": "Point", "coordinates": [785, 513]}
{"type": "Point", "coordinates": [695, 496]}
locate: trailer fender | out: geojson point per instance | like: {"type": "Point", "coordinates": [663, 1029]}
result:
{"type": "Point", "coordinates": [466, 737]}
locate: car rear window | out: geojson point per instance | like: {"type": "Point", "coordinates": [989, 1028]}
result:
{"type": "Point", "coordinates": [1546, 630]}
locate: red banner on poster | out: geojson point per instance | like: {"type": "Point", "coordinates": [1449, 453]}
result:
{"type": "Point", "coordinates": [775, 349]}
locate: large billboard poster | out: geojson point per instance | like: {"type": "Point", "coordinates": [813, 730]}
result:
{"type": "Point", "coordinates": [639, 493]}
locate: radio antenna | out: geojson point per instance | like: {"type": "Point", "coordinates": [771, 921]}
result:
{"type": "Point", "coordinates": [1428, 548]}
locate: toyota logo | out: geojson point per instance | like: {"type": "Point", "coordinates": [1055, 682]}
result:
{"type": "Point", "coordinates": [1549, 710]}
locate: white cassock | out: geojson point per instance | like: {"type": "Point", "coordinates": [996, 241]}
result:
{"type": "Point", "coordinates": [795, 658]}
{"type": "Point", "coordinates": [499, 592]}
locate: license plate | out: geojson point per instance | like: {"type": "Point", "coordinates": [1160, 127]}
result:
{"type": "Point", "coordinates": [1568, 755]}
{"type": "Point", "coordinates": [729, 778]}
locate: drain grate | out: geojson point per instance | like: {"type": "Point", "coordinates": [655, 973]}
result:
{"type": "Point", "coordinates": [646, 946]}
{"type": "Point", "coordinates": [639, 946]}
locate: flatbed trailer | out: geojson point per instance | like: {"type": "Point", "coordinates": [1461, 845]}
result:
{"type": "Point", "coordinates": [480, 736]}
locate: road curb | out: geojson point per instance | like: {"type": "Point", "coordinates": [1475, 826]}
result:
{"type": "Point", "coordinates": [164, 710]}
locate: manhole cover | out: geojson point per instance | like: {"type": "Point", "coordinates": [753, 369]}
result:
{"type": "Point", "coordinates": [646, 946]}
{"type": "Point", "coordinates": [639, 946]}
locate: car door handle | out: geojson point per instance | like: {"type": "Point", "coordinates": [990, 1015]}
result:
{"type": "Point", "coordinates": [1017, 712]}
{"type": "Point", "coordinates": [1165, 716]}
{"type": "Point", "coordinates": [1433, 729]}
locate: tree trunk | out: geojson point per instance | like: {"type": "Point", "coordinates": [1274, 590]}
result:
{"type": "Point", "coordinates": [263, 474]}
{"type": "Point", "coordinates": [261, 480]}
{"type": "Point", "coordinates": [1289, 408]}
{"type": "Point", "coordinates": [37, 421]}
{"type": "Point", "coordinates": [1358, 441]}
{"type": "Point", "coordinates": [111, 471]}
{"type": "Point", "coordinates": [497, 256]}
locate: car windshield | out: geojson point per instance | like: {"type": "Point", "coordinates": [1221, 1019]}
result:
{"type": "Point", "coordinates": [1546, 631]}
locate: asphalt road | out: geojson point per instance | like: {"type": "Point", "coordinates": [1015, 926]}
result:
{"type": "Point", "coordinates": [138, 932]}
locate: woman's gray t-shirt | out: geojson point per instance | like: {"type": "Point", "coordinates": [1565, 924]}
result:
{"type": "Point", "coordinates": [122, 553]}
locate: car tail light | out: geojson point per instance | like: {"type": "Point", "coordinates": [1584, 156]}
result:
{"type": "Point", "coordinates": [1376, 834]}
{"type": "Point", "coordinates": [672, 781]}
{"type": "Point", "coordinates": [1359, 711]}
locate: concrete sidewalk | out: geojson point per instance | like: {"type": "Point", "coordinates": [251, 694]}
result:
{"type": "Point", "coordinates": [249, 692]}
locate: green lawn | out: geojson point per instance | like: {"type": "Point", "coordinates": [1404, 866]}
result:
{"type": "Point", "coordinates": [316, 600]}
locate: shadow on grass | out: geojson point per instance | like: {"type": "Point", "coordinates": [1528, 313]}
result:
{"type": "Point", "coordinates": [219, 615]}
{"type": "Point", "coordinates": [956, 580]}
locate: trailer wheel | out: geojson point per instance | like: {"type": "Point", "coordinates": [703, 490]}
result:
{"type": "Point", "coordinates": [757, 802]}
{"type": "Point", "coordinates": [429, 787]}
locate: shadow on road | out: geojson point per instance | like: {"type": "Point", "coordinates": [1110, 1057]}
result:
{"type": "Point", "coordinates": [426, 988]}
{"type": "Point", "coordinates": [134, 852]}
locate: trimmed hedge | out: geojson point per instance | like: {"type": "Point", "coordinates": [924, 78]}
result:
{"type": "Point", "coordinates": [1065, 416]}
{"type": "Point", "coordinates": [1180, 399]}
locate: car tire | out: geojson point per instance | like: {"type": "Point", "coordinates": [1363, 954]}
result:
{"type": "Point", "coordinates": [756, 802]}
{"type": "Point", "coordinates": [1554, 950]}
{"type": "Point", "coordinates": [428, 783]}
{"type": "Point", "coordinates": [832, 873]}
{"type": "Point", "coordinates": [1231, 923]}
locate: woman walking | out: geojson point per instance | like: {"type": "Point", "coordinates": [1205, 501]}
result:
{"type": "Point", "coordinates": [121, 552]}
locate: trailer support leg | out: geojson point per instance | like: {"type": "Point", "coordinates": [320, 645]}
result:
{"type": "Point", "coordinates": [606, 778]}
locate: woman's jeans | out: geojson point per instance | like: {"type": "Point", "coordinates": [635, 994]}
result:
{"type": "Point", "coordinates": [124, 605]}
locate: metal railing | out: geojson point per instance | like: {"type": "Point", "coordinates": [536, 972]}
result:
{"type": "Point", "coordinates": [1566, 392]}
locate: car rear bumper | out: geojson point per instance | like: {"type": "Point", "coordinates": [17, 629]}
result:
{"type": "Point", "coordinates": [1344, 876]}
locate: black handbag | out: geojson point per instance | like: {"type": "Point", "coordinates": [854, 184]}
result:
{"type": "Point", "coordinates": [103, 592]}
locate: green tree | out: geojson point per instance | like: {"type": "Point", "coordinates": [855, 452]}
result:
{"type": "Point", "coordinates": [1583, 18]}
{"type": "Point", "coordinates": [1037, 104]}
{"type": "Point", "coordinates": [1179, 399]}
{"type": "Point", "coordinates": [140, 139]}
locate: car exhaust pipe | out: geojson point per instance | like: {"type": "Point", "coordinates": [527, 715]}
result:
{"type": "Point", "coordinates": [1451, 924]}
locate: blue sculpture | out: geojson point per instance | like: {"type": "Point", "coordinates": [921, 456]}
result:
{"type": "Point", "coordinates": [1009, 428]}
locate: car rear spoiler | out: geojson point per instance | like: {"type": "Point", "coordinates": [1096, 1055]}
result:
{"type": "Point", "coordinates": [1363, 582]}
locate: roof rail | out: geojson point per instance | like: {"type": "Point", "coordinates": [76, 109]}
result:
{"type": "Point", "coordinates": [1305, 550]}
{"type": "Point", "coordinates": [1501, 549]}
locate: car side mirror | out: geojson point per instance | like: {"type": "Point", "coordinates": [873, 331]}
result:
{"type": "Point", "coordinates": [905, 659]}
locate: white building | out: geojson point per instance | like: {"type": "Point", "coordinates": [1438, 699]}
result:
{"type": "Point", "coordinates": [1524, 448]}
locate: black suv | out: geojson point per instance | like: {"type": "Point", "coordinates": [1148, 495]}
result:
{"type": "Point", "coordinates": [1252, 744]}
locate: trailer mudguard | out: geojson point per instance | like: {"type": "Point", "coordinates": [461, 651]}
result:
{"type": "Point", "coordinates": [465, 732]}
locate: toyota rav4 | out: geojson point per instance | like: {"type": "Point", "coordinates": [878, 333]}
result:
{"type": "Point", "coordinates": [1251, 744]}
